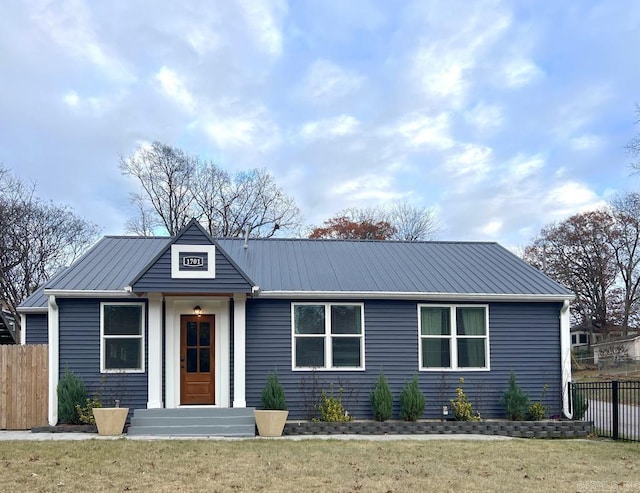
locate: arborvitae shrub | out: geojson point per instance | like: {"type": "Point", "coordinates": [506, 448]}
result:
{"type": "Point", "coordinates": [412, 401]}
{"type": "Point", "coordinates": [515, 401]}
{"type": "Point", "coordinates": [273, 394]}
{"type": "Point", "coordinates": [382, 399]}
{"type": "Point", "coordinates": [71, 393]}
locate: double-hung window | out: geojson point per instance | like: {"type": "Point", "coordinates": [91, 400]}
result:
{"type": "Point", "coordinates": [328, 336]}
{"type": "Point", "coordinates": [122, 337]}
{"type": "Point", "coordinates": [453, 337]}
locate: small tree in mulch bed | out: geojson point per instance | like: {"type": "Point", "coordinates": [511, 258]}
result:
{"type": "Point", "coordinates": [71, 393]}
{"type": "Point", "coordinates": [412, 401]}
{"type": "Point", "coordinates": [382, 399]}
{"type": "Point", "coordinates": [515, 401]}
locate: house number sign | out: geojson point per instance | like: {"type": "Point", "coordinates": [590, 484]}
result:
{"type": "Point", "coordinates": [192, 261]}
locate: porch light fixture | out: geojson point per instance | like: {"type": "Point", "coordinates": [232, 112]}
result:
{"type": "Point", "coordinates": [197, 311]}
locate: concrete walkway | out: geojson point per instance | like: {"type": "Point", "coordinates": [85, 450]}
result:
{"type": "Point", "coordinates": [28, 436]}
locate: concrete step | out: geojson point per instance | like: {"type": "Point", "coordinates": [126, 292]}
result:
{"type": "Point", "coordinates": [224, 422]}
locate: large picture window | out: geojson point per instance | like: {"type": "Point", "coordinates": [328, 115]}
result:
{"type": "Point", "coordinates": [453, 337]}
{"type": "Point", "coordinates": [328, 336]}
{"type": "Point", "coordinates": [122, 337]}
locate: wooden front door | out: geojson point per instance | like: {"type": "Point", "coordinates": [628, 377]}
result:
{"type": "Point", "coordinates": [197, 359]}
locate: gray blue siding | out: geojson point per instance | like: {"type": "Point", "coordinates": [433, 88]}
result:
{"type": "Point", "coordinates": [80, 350]}
{"type": "Point", "coordinates": [524, 337]}
{"type": "Point", "coordinates": [37, 328]}
{"type": "Point", "coordinates": [158, 277]}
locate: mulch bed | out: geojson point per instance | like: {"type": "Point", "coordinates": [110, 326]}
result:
{"type": "Point", "coordinates": [65, 429]}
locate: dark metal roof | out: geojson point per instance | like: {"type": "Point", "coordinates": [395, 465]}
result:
{"type": "Point", "coordinates": [110, 264]}
{"type": "Point", "coordinates": [388, 267]}
{"type": "Point", "coordinates": [304, 265]}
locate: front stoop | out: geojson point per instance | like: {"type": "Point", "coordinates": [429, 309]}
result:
{"type": "Point", "coordinates": [193, 422]}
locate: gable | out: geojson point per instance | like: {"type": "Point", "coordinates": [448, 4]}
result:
{"type": "Point", "coordinates": [192, 263]}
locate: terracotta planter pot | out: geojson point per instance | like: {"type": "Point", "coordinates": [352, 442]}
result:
{"type": "Point", "coordinates": [110, 420]}
{"type": "Point", "coordinates": [270, 423]}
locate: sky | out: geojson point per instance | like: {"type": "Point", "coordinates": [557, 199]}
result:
{"type": "Point", "coordinates": [503, 116]}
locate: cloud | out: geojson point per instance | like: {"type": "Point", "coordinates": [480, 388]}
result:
{"type": "Point", "coordinates": [420, 130]}
{"type": "Point", "coordinates": [457, 38]}
{"type": "Point", "coordinates": [339, 126]}
{"type": "Point", "coordinates": [264, 19]}
{"type": "Point", "coordinates": [586, 142]}
{"type": "Point", "coordinates": [368, 187]}
{"type": "Point", "coordinates": [523, 167]}
{"type": "Point", "coordinates": [485, 117]}
{"type": "Point", "coordinates": [326, 81]}
{"type": "Point", "coordinates": [172, 85]}
{"type": "Point", "coordinates": [572, 197]}
{"type": "Point", "coordinates": [472, 161]}
{"type": "Point", "coordinates": [70, 25]}
{"type": "Point", "coordinates": [519, 73]}
{"type": "Point", "coordinates": [241, 126]}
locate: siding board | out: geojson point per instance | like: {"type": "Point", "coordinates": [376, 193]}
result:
{"type": "Point", "coordinates": [524, 337]}
{"type": "Point", "coordinates": [37, 328]}
{"type": "Point", "coordinates": [80, 350]}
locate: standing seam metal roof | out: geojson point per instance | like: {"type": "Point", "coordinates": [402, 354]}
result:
{"type": "Point", "coordinates": [306, 265]}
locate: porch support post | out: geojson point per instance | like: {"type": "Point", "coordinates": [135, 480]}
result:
{"type": "Point", "coordinates": [155, 352]}
{"type": "Point", "coordinates": [54, 359]}
{"type": "Point", "coordinates": [239, 349]}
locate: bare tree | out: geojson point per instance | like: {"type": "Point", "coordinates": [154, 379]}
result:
{"type": "Point", "coordinates": [145, 222]}
{"type": "Point", "coordinates": [625, 239]}
{"type": "Point", "coordinates": [38, 239]}
{"type": "Point", "coordinates": [397, 221]}
{"type": "Point", "coordinates": [634, 144]}
{"type": "Point", "coordinates": [165, 174]}
{"type": "Point", "coordinates": [177, 187]}
{"type": "Point", "coordinates": [577, 253]}
{"type": "Point", "coordinates": [413, 223]}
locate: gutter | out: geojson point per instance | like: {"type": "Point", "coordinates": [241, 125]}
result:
{"type": "Point", "coordinates": [80, 293]}
{"type": "Point", "coordinates": [413, 296]}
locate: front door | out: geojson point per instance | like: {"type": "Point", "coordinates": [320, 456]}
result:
{"type": "Point", "coordinates": [197, 362]}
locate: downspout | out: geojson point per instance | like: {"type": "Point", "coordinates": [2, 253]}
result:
{"type": "Point", "coordinates": [54, 358]}
{"type": "Point", "coordinates": [565, 353]}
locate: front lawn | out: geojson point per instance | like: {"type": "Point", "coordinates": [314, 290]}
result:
{"type": "Point", "coordinates": [320, 465]}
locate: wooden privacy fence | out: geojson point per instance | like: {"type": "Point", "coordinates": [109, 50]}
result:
{"type": "Point", "coordinates": [24, 386]}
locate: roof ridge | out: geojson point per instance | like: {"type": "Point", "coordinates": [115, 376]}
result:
{"type": "Point", "coordinates": [362, 240]}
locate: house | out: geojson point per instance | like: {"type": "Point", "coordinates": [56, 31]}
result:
{"type": "Point", "coordinates": [197, 321]}
{"type": "Point", "coordinates": [617, 350]}
{"type": "Point", "coordinates": [9, 333]}
{"type": "Point", "coordinates": [581, 337]}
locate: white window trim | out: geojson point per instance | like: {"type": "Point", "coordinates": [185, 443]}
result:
{"type": "Point", "coordinates": [453, 347]}
{"type": "Point", "coordinates": [327, 338]}
{"type": "Point", "coordinates": [141, 337]}
{"type": "Point", "coordinates": [209, 250]}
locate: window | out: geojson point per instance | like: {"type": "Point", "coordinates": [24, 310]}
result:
{"type": "Point", "coordinates": [122, 337]}
{"type": "Point", "coordinates": [583, 339]}
{"type": "Point", "coordinates": [453, 337]}
{"type": "Point", "coordinates": [328, 336]}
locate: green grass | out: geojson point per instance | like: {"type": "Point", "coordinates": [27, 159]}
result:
{"type": "Point", "coordinates": [318, 465]}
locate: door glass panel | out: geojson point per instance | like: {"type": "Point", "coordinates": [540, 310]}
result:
{"type": "Point", "coordinates": [192, 360]}
{"type": "Point", "coordinates": [205, 334]}
{"type": "Point", "coordinates": [192, 334]}
{"type": "Point", "coordinates": [205, 360]}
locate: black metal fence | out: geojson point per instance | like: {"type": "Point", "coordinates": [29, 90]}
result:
{"type": "Point", "coordinates": [613, 407]}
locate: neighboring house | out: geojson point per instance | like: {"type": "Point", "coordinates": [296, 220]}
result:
{"type": "Point", "coordinates": [617, 350]}
{"type": "Point", "coordinates": [9, 331]}
{"type": "Point", "coordinates": [580, 338]}
{"type": "Point", "coordinates": [192, 320]}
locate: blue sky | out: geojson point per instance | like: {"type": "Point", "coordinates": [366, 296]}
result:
{"type": "Point", "coordinates": [502, 115]}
